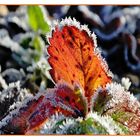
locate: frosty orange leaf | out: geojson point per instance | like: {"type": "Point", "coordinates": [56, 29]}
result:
{"type": "Point", "coordinates": [75, 58]}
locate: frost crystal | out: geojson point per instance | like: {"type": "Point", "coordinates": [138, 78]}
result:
{"type": "Point", "coordinates": [11, 99]}
{"type": "Point", "coordinates": [69, 126]}
{"type": "Point", "coordinates": [126, 83]}
{"type": "Point", "coordinates": [120, 97]}
{"type": "Point", "coordinates": [50, 126]}
{"type": "Point", "coordinates": [14, 112]}
{"type": "Point", "coordinates": [13, 90]}
{"type": "Point", "coordinates": [74, 22]}
{"type": "Point", "coordinates": [9, 91]}
{"type": "Point", "coordinates": [107, 122]}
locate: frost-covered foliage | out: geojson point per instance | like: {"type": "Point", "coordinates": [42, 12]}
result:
{"type": "Point", "coordinates": [113, 116]}
{"type": "Point", "coordinates": [117, 102]}
{"type": "Point", "coordinates": [92, 124]}
{"type": "Point", "coordinates": [115, 95]}
{"type": "Point", "coordinates": [11, 97]}
{"type": "Point", "coordinates": [28, 106]}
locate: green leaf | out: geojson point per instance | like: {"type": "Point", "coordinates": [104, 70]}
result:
{"type": "Point", "coordinates": [124, 129]}
{"type": "Point", "coordinates": [90, 126]}
{"type": "Point", "coordinates": [37, 19]}
{"type": "Point", "coordinates": [37, 43]}
{"type": "Point", "coordinates": [99, 101]}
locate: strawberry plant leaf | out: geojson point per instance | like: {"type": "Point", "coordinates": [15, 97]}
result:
{"type": "Point", "coordinates": [37, 19]}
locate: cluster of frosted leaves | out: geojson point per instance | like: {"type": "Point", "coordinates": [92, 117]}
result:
{"type": "Point", "coordinates": [35, 110]}
{"type": "Point", "coordinates": [117, 112]}
{"type": "Point", "coordinates": [120, 104]}
{"type": "Point", "coordinates": [29, 114]}
{"type": "Point", "coordinates": [10, 99]}
{"type": "Point", "coordinates": [92, 124]}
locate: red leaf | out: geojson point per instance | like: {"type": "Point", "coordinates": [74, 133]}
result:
{"type": "Point", "coordinates": [63, 99]}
